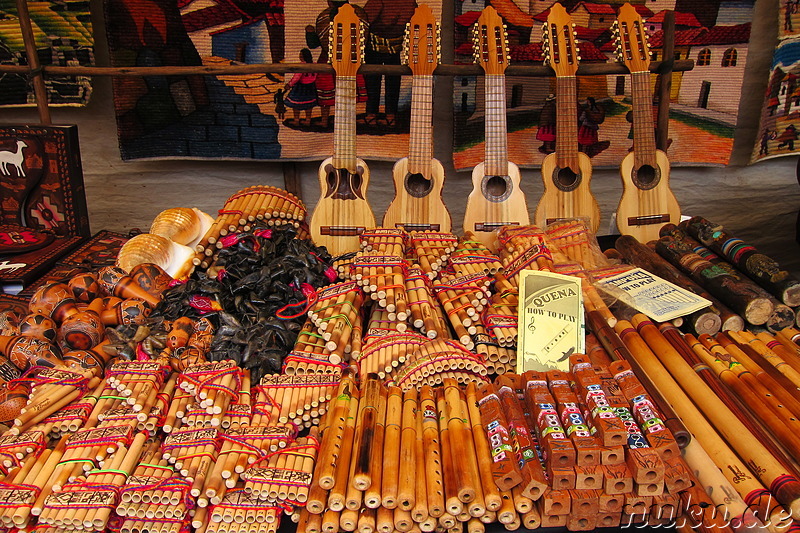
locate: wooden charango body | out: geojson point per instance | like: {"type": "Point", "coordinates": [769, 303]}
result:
{"type": "Point", "coordinates": [557, 203]}
{"type": "Point", "coordinates": [656, 206]}
{"type": "Point", "coordinates": [418, 213]}
{"type": "Point", "coordinates": [495, 201]}
{"type": "Point", "coordinates": [342, 212]}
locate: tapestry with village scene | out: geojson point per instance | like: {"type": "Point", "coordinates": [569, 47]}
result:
{"type": "Point", "coordinates": [779, 129]}
{"type": "Point", "coordinates": [703, 102]}
{"type": "Point", "coordinates": [62, 31]}
{"type": "Point", "coordinates": [252, 116]}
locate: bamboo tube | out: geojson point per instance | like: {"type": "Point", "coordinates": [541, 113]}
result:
{"type": "Point", "coordinates": [391, 448]}
{"type": "Point", "coordinates": [745, 338]}
{"type": "Point", "coordinates": [756, 397]}
{"type": "Point", "coordinates": [718, 489]}
{"type": "Point", "coordinates": [329, 453]}
{"type": "Point", "coordinates": [735, 470]}
{"type": "Point", "coordinates": [362, 475]}
{"type": "Point", "coordinates": [372, 495]}
{"type": "Point", "coordinates": [406, 494]}
{"type": "Point", "coordinates": [453, 503]}
{"type": "Point", "coordinates": [419, 513]}
{"type": "Point", "coordinates": [785, 392]}
{"type": "Point", "coordinates": [433, 460]}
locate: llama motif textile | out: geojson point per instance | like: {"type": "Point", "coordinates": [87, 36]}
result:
{"type": "Point", "coordinates": [252, 116]}
{"type": "Point", "coordinates": [62, 31]}
{"type": "Point", "coordinates": [703, 102]}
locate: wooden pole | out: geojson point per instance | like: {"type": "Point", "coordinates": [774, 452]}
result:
{"type": "Point", "coordinates": [665, 80]}
{"type": "Point", "coordinates": [34, 69]}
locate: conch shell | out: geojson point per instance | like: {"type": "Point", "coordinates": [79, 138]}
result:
{"type": "Point", "coordinates": [145, 248]}
{"type": "Point", "coordinates": [181, 224]}
{"type": "Point", "coordinates": [175, 259]}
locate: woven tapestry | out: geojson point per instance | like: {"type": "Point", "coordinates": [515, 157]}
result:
{"type": "Point", "coordinates": [779, 128]}
{"type": "Point", "coordinates": [251, 116]}
{"type": "Point", "coordinates": [62, 31]}
{"type": "Point", "coordinates": [703, 102]}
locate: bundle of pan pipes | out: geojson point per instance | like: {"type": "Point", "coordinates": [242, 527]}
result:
{"type": "Point", "coordinates": [231, 455]}
{"type": "Point", "coordinates": [581, 450]}
{"type": "Point", "coordinates": [259, 205]}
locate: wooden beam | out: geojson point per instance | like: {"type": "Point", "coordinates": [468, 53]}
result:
{"type": "Point", "coordinates": [585, 69]}
{"type": "Point", "coordinates": [34, 69]}
{"type": "Point", "coordinates": [665, 81]}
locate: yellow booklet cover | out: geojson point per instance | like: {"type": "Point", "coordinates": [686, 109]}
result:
{"type": "Point", "coordinates": [551, 325]}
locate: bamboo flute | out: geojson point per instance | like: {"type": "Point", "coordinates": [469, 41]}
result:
{"type": "Point", "coordinates": [406, 493]}
{"type": "Point", "coordinates": [748, 486]}
{"type": "Point", "coordinates": [453, 504]}
{"type": "Point", "coordinates": [433, 460]}
{"type": "Point", "coordinates": [727, 502]}
{"type": "Point", "coordinates": [478, 507]}
{"type": "Point", "coordinates": [372, 495]}
{"type": "Point", "coordinates": [756, 397]}
{"type": "Point", "coordinates": [365, 432]}
{"type": "Point", "coordinates": [790, 354]}
{"type": "Point", "coordinates": [461, 444]}
{"type": "Point", "coordinates": [788, 396]}
{"type": "Point", "coordinates": [329, 454]}
{"type": "Point", "coordinates": [746, 339]}
{"type": "Point", "coordinates": [683, 345]}
{"type": "Point", "coordinates": [345, 465]}
{"type": "Point", "coordinates": [391, 447]}
{"type": "Point", "coordinates": [483, 453]}
{"type": "Point", "coordinates": [420, 511]}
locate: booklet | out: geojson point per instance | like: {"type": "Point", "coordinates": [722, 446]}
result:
{"type": "Point", "coordinates": [655, 297]}
{"type": "Point", "coordinates": [551, 326]}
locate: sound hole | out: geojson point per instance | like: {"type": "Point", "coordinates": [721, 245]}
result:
{"type": "Point", "coordinates": [496, 188]}
{"type": "Point", "coordinates": [566, 180]}
{"type": "Point", "coordinates": [342, 185]}
{"type": "Point", "coordinates": [417, 185]}
{"type": "Point", "coordinates": [646, 177]}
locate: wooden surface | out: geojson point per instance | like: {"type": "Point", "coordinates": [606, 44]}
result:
{"type": "Point", "coordinates": [636, 202]}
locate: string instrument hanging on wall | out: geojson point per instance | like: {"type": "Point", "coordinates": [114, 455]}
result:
{"type": "Point", "coordinates": [343, 212]}
{"type": "Point", "coordinates": [567, 172]}
{"type": "Point", "coordinates": [496, 199]}
{"type": "Point", "coordinates": [418, 178]}
{"type": "Point", "coordinates": [647, 202]}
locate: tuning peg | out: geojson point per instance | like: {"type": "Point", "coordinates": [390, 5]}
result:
{"type": "Point", "coordinates": [579, 57]}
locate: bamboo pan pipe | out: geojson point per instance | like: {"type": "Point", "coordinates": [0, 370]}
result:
{"type": "Point", "coordinates": [749, 487]}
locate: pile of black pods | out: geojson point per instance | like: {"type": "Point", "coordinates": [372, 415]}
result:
{"type": "Point", "coordinates": [257, 297]}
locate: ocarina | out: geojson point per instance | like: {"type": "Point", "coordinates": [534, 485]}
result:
{"type": "Point", "coordinates": [115, 281]}
{"type": "Point", "coordinates": [39, 326]}
{"type": "Point", "coordinates": [85, 287]}
{"type": "Point", "coordinates": [151, 278]}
